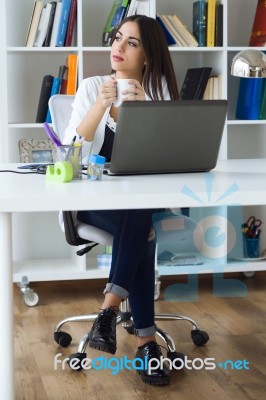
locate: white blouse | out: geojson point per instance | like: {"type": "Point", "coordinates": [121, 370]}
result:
{"type": "Point", "coordinates": [86, 96]}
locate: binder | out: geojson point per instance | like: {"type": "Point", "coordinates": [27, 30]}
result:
{"type": "Point", "coordinates": [249, 98]}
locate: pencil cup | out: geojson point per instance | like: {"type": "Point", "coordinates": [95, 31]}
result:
{"type": "Point", "coordinates": [72, 154]}
{"type": "Point", "coordinates": [251, 247]}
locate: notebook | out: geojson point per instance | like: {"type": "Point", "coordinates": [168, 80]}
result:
{"type": "Point", "coordinates": [154, 137]}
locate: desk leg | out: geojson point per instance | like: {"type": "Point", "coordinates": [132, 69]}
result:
{"type": "Point", "coordinates": [6, 309]}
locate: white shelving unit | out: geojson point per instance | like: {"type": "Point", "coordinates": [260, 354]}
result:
{"type": "Point", "coordinates": [40, 250]}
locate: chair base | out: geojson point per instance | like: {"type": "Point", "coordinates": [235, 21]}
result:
{"type": "Point", "coordinates": [124, 318]}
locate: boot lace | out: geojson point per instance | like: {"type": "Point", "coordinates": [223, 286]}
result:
{"type": "Point", "coordinates": [107, 317]}
{"type": "Point", "coordinates": [154, 350]}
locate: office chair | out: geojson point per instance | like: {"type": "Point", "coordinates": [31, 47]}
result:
{"type": "Point", "coordinates": [77, 234]}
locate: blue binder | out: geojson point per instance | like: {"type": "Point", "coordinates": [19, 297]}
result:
{"type": "Point", "coordinates": [249, 98]}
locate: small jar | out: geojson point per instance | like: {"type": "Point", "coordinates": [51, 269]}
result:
{"type": "Point", "coordinates": [95, 167]}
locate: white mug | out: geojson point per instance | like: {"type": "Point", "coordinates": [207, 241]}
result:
{"type": "Point", "coordinates": [122, 84]}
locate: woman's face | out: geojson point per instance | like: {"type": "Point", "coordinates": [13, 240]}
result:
{"type": "Point", "coordinates": [127, 54]}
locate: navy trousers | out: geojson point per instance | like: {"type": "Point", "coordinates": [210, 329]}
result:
{"type": "Point", "coordinates": [133, 258]}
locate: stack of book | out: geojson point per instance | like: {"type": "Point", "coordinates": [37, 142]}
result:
{"type": "Point", "coordinates": [208, 22]}
{"type": "Point", "coordinates": [176, 31]}
{"type": "Point", "coordinates": [200, 85]}
{"type": "Point", "coordinates": [120, 10]}
{"type": "Point", "coordinates": [213, 89]}
{"type": "Point", "coordinates": [195, 83]}
{"type": "Point", "coordinates": [64, 83]}
{"type": "Point", "coordinates": [52, 24]}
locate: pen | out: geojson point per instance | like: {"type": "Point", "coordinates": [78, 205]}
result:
{"type": "Point", "coordinates": [53, 137]}
{"type": "Point", "coordinates": [70, 148]}
{"type": "Point", "coordinates": [51, 134]}
{"type": "Point", "coordinates": [80, 139]}
{"type": "Point", "coordinates": [77, 149]}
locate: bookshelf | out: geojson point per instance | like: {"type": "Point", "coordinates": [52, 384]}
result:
{"type": "Point", "coordinates": [22, 71]}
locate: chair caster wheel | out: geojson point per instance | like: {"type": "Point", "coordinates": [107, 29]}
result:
{"type": "Point", "coordinates": [30, 298]}
{"type": "Point", "coordinates": [199, 337]}
{"type": "Point", "coordinates": [249, 274]}
{"type": "Point", "coordinates": [177, 358]}
{"type": "Point", "coordinates": [75, 361]}
{"type": "Point", "coordinates": [62, 338]}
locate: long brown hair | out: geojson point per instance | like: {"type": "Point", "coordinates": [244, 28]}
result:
{"type": "Point", "coordinates": [159, 62]}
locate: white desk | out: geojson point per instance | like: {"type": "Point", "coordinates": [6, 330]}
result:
{"type": "Point", "coordinates": [24, 193]}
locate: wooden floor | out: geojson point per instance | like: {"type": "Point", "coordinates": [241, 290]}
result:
{"type": "Point", "coordinates": [236, 326]}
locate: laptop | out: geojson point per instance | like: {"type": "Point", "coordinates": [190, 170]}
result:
{"type": "Point", "coordinates": [155, 137]}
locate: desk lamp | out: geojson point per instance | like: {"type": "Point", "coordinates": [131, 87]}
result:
{"type": "Point", "coordinates": [249, 64]}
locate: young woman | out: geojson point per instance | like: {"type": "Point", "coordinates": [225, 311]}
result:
{"type": "Point", "coordinates": [139, 53]}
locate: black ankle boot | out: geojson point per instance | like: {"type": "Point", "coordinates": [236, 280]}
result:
{"type": "Point", "coordinates": [103, 332]}
{"type": "Point", "coordinates": [158, 376]}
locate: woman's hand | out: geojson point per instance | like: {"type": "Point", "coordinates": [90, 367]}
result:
{"type": "Point", "coordinates": [107, 93]}
{"type": "Point", "coordinates": [135, 92]}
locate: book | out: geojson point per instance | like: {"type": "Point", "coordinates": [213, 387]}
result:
{"type": "Point", "coordinates": [61, 73]}
{"type": "Point", "coordinates": [217, 87]}
{"type": "Point", "coordinates": [179, 40]}
{"type": "Point", "coordinates": [220, 86]}
{"type": "Point", "coordinates": [39, 26]}
{"type": "Point", "coordinates": [175, 31]}
{"type": "Point", "coordinates": [184, 31]}
{"type": "Point", "coordinates": [219, 16]}
{"type": "Point", "coordinates": [211, 10]}
{"type": "Point", "coordinates": [199, 21]}
{"type": "Point", "coordinates": [169, 37]}
{"type": "Point", "coordinates": [56, 88]}
{"type": "Point", "coordinates": [208, 92]}
{"type": "Point", "coordinates": [120, 13]}
{"type": "Point", "coordinates": [132, 8]}
{"type": "Point", "coordinates": [143, 8]}
{"type": "Point", "coordinates": [44, 98]}
{"type": "Point", "coordinates": [34, 22]}
{"type": "Point", "coordinates": [195, 83]}
{"type": "Point", "coordinates": [50, 24]}
{"type": "Point", "coordinates": [43, 26]}
{"type": "Point", "coordinates": [262, 114]}
{"type": "Point", "coordinates": [63, 21]}
{"type": "Point", "coordinates": [258, 32]}
{"type": "Point", "coordinates": [64, 83]}
{"type": "Point", "coordinates": [72, 70]}
{"type": "Point", "coordinates": [127, 9]}
{"type": "Point", "coordinates": [213, 89]}
{"type": "Point", "coordinates": [71, 23]}
{"type": "Point", "coordinates": [117, 14]}
{"type": "Point", "coordinates": [249, 98]}
{"type": "Point", "coordinates": [56, 24]}
{"type": "Point", "coordinates": [108, 28]}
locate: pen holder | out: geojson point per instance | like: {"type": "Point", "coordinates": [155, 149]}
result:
{"type": "Point", "coordinates": [72, 155]}
{"type": "Point", "coordinates": [251, 247]}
